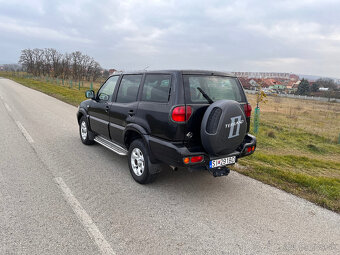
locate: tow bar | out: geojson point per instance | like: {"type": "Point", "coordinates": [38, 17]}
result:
{"type": "Point", "coordinates": [218, 172]}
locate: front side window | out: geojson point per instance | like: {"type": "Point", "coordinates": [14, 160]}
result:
{"type": "Point", "coordinates": [106, 91]}
{"type": "Point", "coordinates": [216, 87]}
{"type": "Point", "coordinates": [128, 88]}
{"type": "Point", "coordinates": [156, 88]}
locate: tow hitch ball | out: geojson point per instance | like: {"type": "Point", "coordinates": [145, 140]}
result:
{"type": "Point", "coordinates": [220, 172]}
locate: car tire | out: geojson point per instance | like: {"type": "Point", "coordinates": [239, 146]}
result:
{"type": "Point", "coordinates": [86, 136]}
{"type": "Point", "coordinates": [139, 162]}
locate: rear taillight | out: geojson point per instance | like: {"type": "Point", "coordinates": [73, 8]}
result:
{"type": "Point", "coordinates": [247, 110]}
{"type": "Point", "coordinates": [196, 159]}
{"type": "Point", "coordinates": [193, 159]}
{"type": "Point", "coordinates": [251, 149]}
{"type": "Point", "coordinates": [181, 113]}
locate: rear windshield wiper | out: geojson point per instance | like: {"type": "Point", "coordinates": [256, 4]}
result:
{"type": "Point", "coordinates": [205, 95]}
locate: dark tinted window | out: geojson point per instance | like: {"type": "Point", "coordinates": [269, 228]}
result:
{"type": "Point", "coordinates": [106, 91]}
{"type": "Point", "coordinates": [156, 88]}
{"type": "Point", "coordinates": [216, 87]}
{"type": "Point", "coordinates": [128, 88]}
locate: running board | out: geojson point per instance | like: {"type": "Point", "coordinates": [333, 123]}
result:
{"type": "Point", "coordinates": [111, 145]}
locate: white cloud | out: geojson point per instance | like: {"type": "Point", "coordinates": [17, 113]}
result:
{"type": "Point", "coordinates": [36, 32]}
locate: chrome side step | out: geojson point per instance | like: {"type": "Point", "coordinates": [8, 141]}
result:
{"type": "Point", "coordinates": [111, 146]}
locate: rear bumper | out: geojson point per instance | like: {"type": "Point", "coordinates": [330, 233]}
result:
{"type": "Point", "coordinates": [173, 153]}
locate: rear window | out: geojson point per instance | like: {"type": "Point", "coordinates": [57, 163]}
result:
{"type": "Point", "coordinates": [216, 87]}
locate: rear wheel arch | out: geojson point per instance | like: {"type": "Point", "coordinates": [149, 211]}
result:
{"type": "Point", "coordinates": [133, 132]}
{"type": "Point", "coordinates": [130, 135]}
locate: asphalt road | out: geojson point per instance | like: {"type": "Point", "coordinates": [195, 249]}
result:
{"type": "Point", "coordinates": [58, 196]}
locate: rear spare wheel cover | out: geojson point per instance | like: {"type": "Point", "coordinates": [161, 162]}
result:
{"type": "Point", "coordinates": [223, 127]}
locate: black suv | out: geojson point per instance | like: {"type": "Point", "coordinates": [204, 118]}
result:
{"type": "Point", "coordinates": [194, 119]}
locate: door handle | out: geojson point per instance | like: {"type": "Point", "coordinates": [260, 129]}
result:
{"type": "Point", "coordinates": [131, 112]}
{"type": "Point", "coordinates": [107, 108]}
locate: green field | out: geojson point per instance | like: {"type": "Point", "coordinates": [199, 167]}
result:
{"type": "Point", "coordinates": [297, 148]}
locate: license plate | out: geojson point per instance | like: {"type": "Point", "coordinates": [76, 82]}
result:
{"type": "Point", "coordinates": [222, 162]}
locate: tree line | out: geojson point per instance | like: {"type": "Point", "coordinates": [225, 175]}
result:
{"type": "Point", "coordinates": [50, 62]}
{"type": "Point", "coordinates": [305, 88]}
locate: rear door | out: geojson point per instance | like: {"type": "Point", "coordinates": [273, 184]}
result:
{"type": "Point", "coordinates": [99, 108]}
{"type": "Point", "coordinates": [124, 107]}
{"type": "Point", "coordinates": [155, 105]}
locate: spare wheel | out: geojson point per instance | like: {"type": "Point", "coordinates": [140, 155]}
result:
{"type": "Point", "coordinates": [223, 127]}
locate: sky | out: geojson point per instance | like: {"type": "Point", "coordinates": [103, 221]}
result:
{"type": "Point", "coordinates": [298, 36]}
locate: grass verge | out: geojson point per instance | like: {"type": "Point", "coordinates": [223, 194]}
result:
{"type": "Point", "coordinates": [64, 92]}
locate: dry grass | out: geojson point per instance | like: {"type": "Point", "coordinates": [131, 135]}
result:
{"type": "Point", "coordinates": [297, 149]}
{"type": "Point", "coordinates": [320, 118]}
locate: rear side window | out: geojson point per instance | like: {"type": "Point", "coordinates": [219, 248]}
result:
{"type": "Point", "coordinates": [156, 88]}
{"type": "Point", "coordinates": [128, 88]}
{"type": "Point", "coordinates": [216, 87]}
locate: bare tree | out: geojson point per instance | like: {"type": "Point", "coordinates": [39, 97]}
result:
{"type": "Point", "coordinates": [38, 61]}
{"type": "Point", "coordinates": [50, 62]}
{"type": "Point", "coordinates": [26, 60]}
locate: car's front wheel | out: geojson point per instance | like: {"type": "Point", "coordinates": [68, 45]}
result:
{"type": "Point", "coordinates": [86, 135]}
{"type": "Point", "coordinates": [139, 162]}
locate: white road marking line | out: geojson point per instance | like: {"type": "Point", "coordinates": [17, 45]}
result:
{"type": "Point", "coordinates": [85, 219]}
{"type": "Point", "coordinates": [24, 132]}
{"type": "Point", "coordinates": [7, 107]}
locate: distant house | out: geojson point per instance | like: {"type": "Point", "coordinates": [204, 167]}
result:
{"type": "Point", "coordinates": [294, 87]}
{"type": "Point", "coordinates": [112, 71]}
{"type": "Point", "coordinates": [323, 89]}
{"type": "Point", "coordinates": [293, 77]}
{"type": "Point", "coordinates": [290, 87]}
{"type": "Point", "coordinates": [1, 68]}
{"type": "Point", "coordinates": [245, 83]}
{"type": "Point", "coordinates": [270, 82]}
{"type": "Point", "coordinates": [253, 83]}
{"type": "Point", "coordinates": [259, 81]}
{"type": "Point", "coordinates": [278, 87]}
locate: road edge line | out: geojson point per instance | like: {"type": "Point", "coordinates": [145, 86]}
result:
{"type": "Point", "coordinates": [24, 132]}
{"type": "Point", "coordinates": [84, 218]}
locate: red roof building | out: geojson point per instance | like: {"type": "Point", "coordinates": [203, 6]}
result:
{"type": "Point", "coordinates": [245, 83]}
{"type": "Point", "coordinates": [111, 71]}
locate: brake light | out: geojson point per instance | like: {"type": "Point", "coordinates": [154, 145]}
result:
{"type": "Point", "coordinates": [250, 149]}
{"type": "Point", "coordinates": [196, 159]}
{"type": "Point", "coordinates": [193, 159]}
{"type": "Point", "coordinates": [181, 113]}
{"type": "Point", "coordinates": [247, 110]}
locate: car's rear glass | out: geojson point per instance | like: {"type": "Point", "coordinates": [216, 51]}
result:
{"type": "Point", "coordinates": [216, 87]}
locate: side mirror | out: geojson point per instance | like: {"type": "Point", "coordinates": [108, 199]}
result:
{"type": "Point", "coordinates": [90, 94]}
